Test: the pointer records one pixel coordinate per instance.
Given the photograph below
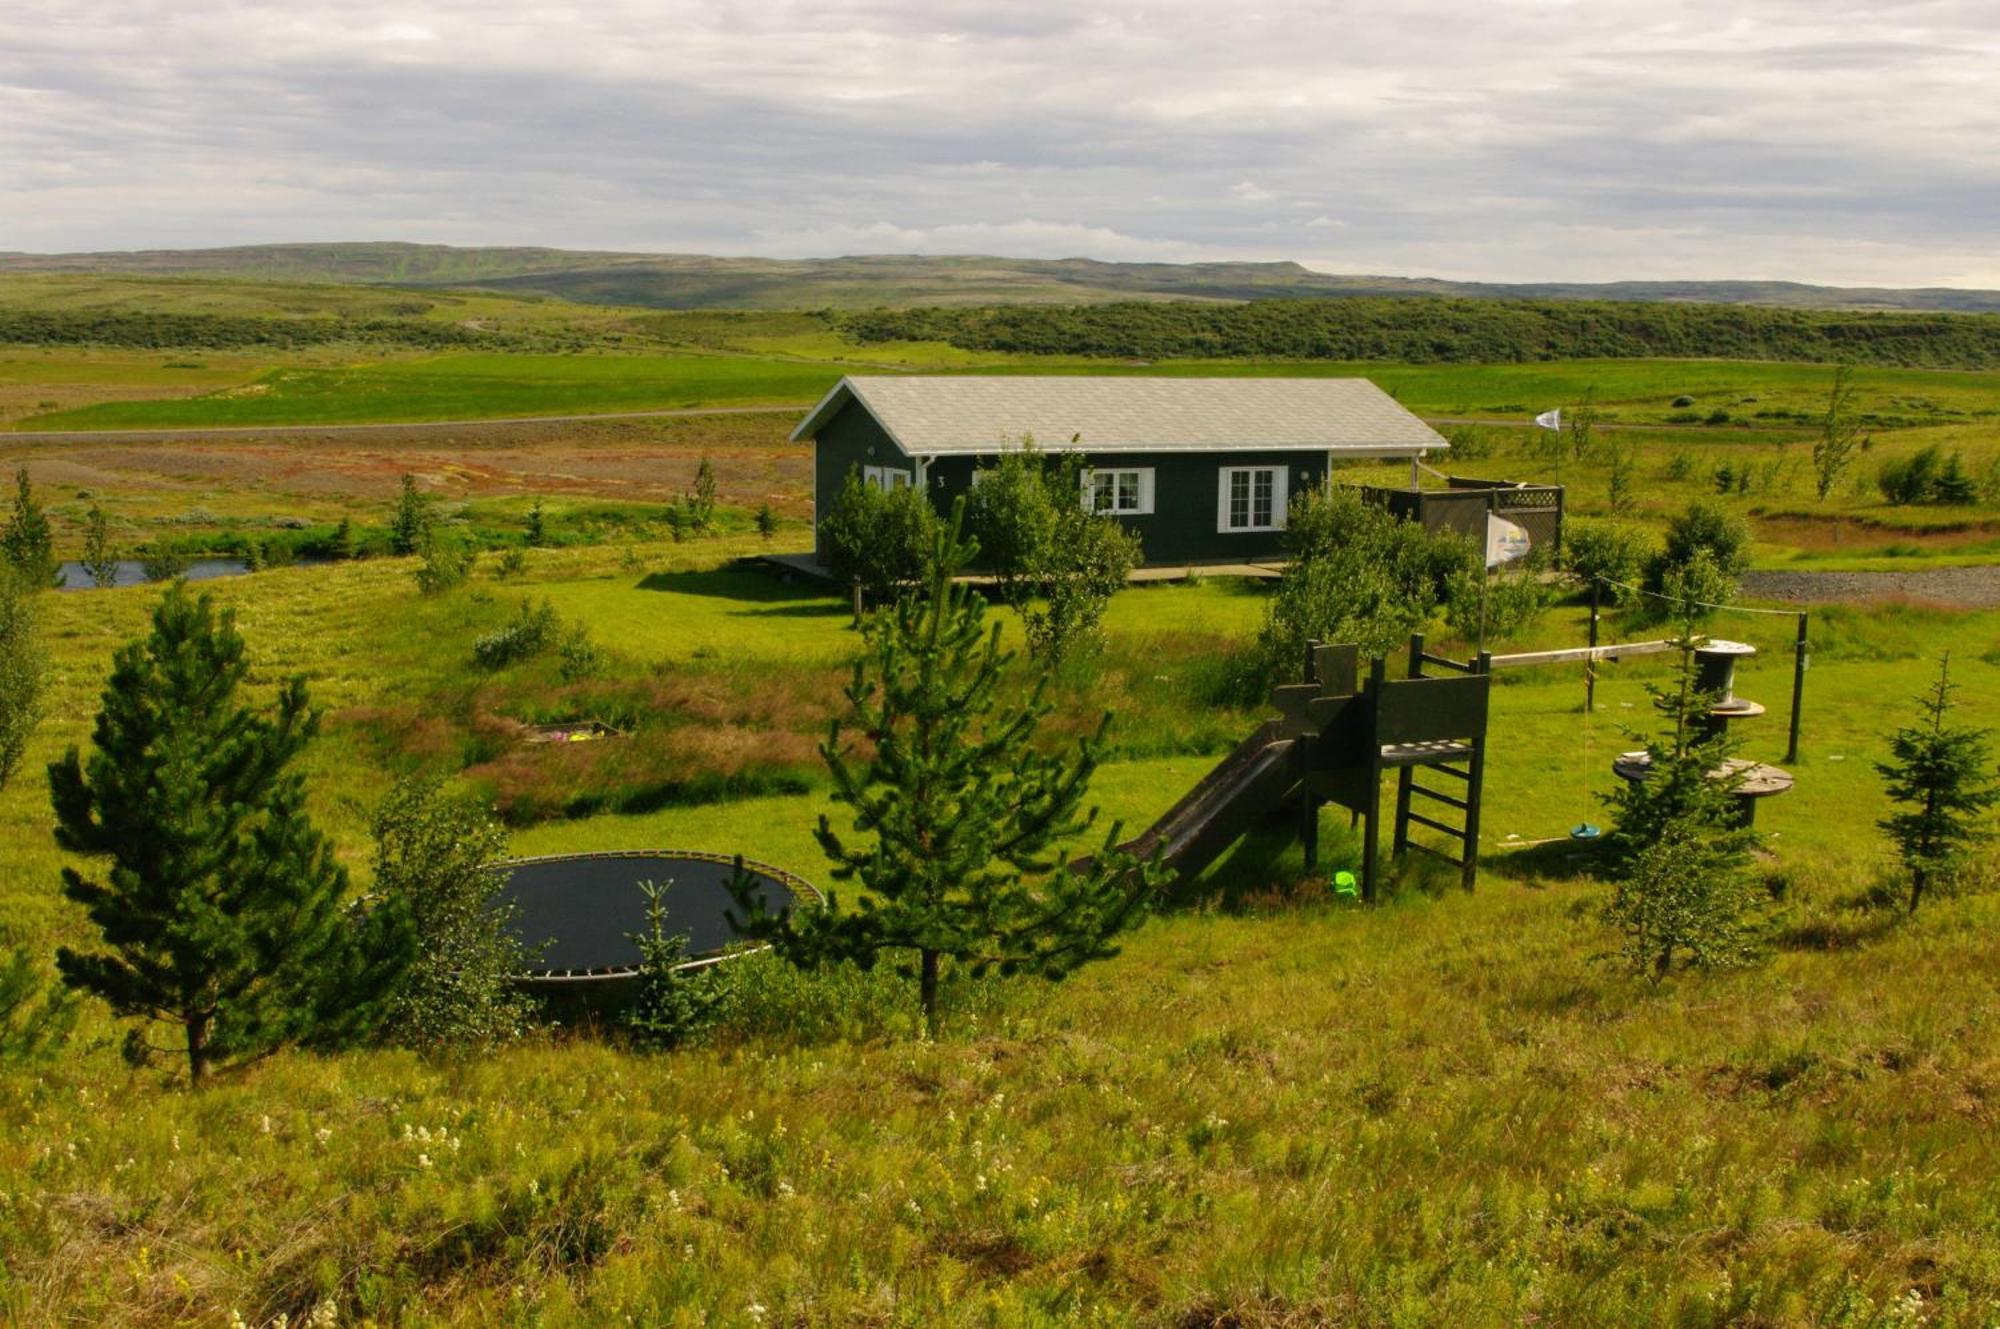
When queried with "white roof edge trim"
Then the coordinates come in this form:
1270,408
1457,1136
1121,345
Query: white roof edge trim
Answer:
1361,452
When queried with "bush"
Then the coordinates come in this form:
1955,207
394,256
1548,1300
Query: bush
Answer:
1927,476
1359,574
878,539
1514,598
447,561
532,632
166,560
1609,552
433,857
512,562
1058,562
1724,534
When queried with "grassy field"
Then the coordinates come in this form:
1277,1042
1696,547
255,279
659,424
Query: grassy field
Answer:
1271,1109
1439,1111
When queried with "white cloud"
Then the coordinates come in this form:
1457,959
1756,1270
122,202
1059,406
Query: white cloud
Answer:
1827,140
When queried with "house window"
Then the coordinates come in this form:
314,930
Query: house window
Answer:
885,477
1251,498
1126,492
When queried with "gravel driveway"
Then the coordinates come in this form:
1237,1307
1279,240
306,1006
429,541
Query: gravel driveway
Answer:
1963,588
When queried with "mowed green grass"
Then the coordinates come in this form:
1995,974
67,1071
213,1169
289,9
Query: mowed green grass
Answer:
1439,1111
789,366
470,387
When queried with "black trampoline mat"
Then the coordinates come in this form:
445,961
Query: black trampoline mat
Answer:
582,910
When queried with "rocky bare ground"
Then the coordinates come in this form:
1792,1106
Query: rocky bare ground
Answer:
1965,588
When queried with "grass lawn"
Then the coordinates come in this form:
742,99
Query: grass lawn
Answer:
1441,1110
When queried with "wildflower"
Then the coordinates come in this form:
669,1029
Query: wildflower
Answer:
264,1123
423,1160
323,1134
177,1149
534,1186
755,1311
785,1191
323,1316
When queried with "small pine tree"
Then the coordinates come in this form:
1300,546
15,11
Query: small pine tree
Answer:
1839,433
673,1004
961,810
700,501
1581,424
27,545
434,857
1942,775
343,546
222,908
537,529
1621,496
23,672
100,560
415,511
1677,850
35,1016
767,522
447,560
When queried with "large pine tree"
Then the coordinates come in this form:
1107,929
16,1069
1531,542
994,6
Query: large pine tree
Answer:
222,907
958,814
1941,777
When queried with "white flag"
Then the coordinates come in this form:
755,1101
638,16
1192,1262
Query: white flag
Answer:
1505,541
1550,419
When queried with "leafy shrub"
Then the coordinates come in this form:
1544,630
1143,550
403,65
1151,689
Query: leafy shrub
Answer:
1724,534
166,560
577,656
1358,573
1908,480
1058,563
513,561
1681,402
879,539
433,857
1928,476
1514,598
533,631
1609,552
447,561
1470,443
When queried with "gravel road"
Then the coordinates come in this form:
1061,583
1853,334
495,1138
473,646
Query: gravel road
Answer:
1963,588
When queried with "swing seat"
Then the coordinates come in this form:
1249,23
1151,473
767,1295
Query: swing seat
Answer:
1584,831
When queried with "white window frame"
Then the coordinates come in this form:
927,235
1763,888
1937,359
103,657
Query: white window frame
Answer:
1142,484
887,478
1280,484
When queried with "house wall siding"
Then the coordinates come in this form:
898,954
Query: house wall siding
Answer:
851,438
1181,528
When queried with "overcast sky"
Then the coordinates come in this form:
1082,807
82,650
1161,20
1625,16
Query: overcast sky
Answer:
1817,140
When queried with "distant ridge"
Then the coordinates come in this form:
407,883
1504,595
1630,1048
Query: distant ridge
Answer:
700,281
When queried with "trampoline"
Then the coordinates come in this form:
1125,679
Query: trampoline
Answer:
581,910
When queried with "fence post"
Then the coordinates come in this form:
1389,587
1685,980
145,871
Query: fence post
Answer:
1798,686
1590,665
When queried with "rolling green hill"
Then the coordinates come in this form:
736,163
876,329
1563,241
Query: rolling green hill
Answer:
700,281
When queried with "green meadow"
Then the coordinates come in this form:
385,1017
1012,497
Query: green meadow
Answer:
1271,1108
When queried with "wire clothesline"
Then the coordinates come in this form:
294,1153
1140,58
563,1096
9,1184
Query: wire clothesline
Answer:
1738,609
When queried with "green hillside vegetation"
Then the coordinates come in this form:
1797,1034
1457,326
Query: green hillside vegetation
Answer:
1433,330
691,281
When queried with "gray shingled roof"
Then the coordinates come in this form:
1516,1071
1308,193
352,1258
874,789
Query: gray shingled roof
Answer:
942,415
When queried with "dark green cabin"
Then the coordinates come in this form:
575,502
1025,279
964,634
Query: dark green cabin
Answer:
1202,468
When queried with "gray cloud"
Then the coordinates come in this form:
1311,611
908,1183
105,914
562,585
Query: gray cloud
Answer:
1536,139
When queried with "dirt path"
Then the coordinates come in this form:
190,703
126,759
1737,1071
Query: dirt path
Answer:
1960,588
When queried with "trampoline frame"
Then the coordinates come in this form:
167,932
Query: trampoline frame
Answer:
803,891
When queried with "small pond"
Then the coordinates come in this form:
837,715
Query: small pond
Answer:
132,572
